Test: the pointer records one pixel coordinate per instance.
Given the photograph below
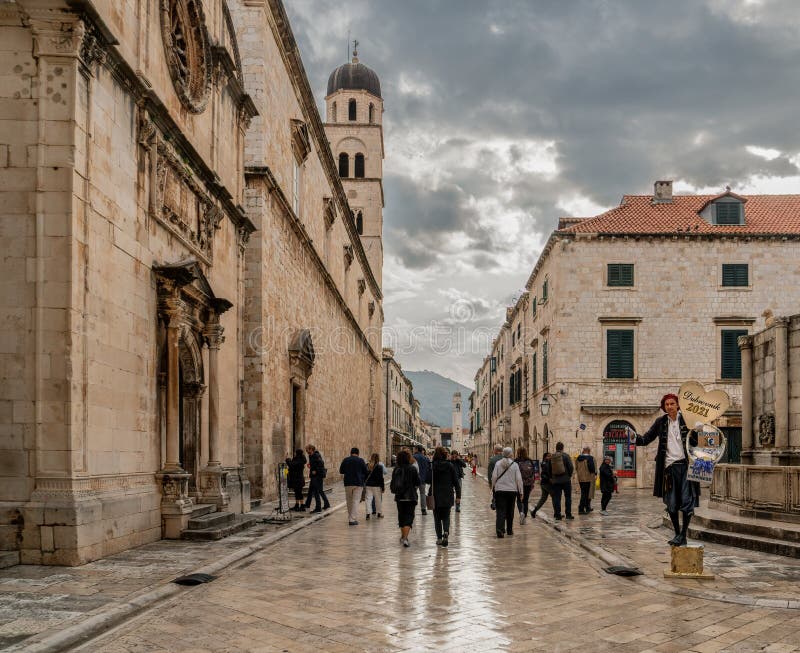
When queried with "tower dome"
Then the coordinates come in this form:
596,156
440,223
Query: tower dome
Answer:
354,76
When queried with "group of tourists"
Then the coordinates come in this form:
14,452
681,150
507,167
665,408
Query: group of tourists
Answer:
512,480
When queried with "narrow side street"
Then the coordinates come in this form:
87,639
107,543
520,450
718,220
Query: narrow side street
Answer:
336,587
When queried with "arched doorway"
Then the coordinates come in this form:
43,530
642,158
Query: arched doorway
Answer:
617,445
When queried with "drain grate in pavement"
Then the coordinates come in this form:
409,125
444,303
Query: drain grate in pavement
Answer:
194,579
620,570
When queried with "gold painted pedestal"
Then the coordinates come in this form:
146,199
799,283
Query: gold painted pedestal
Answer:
687,562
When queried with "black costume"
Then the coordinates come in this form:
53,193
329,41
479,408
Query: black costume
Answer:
671,484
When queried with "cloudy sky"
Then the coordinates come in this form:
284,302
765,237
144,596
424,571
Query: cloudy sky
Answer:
502,115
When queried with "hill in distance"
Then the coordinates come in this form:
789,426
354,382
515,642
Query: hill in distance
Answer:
435,394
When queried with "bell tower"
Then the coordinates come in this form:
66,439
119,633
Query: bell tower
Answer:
457,420
354,127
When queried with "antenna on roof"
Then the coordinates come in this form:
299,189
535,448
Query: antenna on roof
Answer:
347,48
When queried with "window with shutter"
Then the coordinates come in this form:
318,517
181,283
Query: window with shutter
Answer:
533,372
533,310
544,363
619,354
620,274
735,274
545,289
730,355
729,213
511,389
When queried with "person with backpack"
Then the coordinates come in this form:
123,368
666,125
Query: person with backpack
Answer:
405,487
374,486
316,474
561,470
528,473
424,466
607,482
506,486
544,482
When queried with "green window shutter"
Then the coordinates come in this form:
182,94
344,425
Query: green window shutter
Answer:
730,356
519,386
533,312
544,363
735,274
545,289
620,274
729,212
533,372
512,379
619,354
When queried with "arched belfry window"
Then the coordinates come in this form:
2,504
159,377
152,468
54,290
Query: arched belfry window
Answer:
359,171
333,112
351,110
371,113
360,223
344,164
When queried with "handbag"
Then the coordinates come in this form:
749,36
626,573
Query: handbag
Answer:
493,504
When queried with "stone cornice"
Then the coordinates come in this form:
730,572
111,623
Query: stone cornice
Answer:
264,175
291,55
621,409
148,100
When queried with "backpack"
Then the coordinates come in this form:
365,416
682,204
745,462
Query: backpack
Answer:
528,472
557,465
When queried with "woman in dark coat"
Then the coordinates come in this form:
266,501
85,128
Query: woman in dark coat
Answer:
445,484
296,480
405,481
545,483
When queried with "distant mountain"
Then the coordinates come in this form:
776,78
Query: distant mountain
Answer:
435,394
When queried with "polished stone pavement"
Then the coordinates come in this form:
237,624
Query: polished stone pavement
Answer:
334,587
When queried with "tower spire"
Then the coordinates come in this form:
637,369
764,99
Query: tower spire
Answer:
355,51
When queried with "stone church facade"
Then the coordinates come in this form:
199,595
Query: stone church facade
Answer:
177,252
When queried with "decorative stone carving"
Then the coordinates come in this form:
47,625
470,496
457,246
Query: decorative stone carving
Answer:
348,256
94,48
302,354
362,286
371,308
329,211
766,429
301,145
188,52
181,204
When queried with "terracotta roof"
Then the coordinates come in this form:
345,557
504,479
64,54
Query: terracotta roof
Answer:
637,214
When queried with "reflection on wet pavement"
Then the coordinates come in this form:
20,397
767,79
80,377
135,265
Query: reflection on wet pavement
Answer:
335,587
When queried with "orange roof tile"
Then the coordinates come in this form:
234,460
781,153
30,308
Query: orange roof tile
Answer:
636,214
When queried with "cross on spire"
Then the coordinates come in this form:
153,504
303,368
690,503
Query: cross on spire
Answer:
355,51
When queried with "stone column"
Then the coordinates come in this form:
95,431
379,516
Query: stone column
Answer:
781,326
213,479
746,347
176,504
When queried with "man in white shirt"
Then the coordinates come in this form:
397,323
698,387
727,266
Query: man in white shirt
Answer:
672,466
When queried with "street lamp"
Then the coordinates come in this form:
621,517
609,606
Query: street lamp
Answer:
544,406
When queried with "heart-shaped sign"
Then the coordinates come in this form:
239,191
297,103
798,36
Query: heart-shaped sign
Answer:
700,405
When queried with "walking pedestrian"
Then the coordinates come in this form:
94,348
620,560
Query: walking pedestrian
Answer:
544,483
374,486
405,486
354,470
587,473
474,464
671,482
528,472
561,470
460,465
507,486
444,485
316,474
296,478
607,482
498,455
424,466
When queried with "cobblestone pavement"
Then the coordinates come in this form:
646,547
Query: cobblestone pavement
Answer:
335,587
35,599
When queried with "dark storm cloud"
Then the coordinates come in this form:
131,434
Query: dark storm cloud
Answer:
626,91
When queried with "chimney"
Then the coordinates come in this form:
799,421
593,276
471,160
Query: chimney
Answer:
662,192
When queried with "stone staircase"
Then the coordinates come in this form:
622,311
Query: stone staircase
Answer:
208,523
767,536
8,559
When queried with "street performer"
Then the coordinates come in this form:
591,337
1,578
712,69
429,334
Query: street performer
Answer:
672,466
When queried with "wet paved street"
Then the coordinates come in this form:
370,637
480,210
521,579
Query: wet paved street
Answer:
334,587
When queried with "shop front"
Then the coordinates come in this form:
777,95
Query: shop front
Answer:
617,445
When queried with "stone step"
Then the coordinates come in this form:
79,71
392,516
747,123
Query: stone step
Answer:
8,559
719,520
239,523
201,509
746,541
211,520
255,503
